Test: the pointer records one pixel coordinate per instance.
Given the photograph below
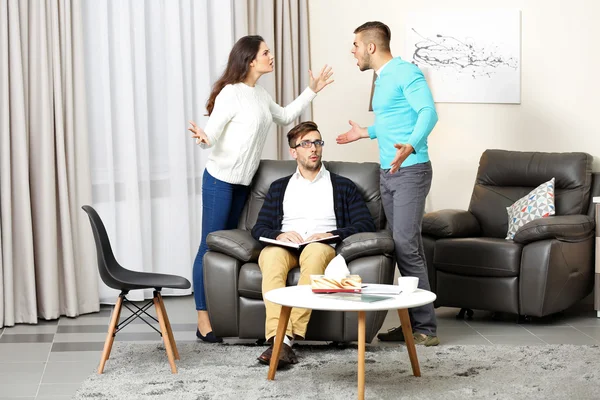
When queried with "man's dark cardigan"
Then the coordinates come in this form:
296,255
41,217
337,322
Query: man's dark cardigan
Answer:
351,212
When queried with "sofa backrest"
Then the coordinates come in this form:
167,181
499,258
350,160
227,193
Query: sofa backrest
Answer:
364,175
504,177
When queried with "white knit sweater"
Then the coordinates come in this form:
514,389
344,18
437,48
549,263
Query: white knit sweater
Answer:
238,127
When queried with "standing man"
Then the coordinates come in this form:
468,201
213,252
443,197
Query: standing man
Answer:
404,117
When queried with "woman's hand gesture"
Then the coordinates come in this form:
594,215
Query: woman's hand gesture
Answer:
317,84
198,134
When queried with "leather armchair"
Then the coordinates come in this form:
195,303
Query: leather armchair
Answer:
233,279
550,263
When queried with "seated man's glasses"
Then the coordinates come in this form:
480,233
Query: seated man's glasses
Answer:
307,144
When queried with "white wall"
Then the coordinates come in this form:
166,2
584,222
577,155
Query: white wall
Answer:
560,88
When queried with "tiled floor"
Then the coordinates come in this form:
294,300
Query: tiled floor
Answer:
51,359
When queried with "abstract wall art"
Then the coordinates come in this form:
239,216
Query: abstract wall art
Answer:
467,56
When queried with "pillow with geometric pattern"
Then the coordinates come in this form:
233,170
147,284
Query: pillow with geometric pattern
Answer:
539,203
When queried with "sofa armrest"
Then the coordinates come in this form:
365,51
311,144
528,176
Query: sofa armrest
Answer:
236,243
222,294
366,244
561,227
451,223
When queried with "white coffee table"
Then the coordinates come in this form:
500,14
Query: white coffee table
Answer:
302,297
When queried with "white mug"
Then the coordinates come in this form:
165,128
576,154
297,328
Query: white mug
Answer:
408,284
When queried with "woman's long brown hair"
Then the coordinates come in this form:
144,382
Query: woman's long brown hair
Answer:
240,57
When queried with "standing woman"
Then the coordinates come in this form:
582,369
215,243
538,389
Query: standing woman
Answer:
241,113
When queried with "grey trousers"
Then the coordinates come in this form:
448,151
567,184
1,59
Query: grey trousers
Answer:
403,195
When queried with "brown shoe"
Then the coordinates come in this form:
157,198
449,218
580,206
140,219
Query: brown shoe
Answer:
265,357
286,356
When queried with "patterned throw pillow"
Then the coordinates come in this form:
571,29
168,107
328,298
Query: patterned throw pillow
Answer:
539,203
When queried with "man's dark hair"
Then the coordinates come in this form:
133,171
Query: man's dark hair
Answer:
376,32
300,130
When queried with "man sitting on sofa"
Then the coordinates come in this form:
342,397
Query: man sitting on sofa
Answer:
311,204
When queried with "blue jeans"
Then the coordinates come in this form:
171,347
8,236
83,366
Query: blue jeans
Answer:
222,205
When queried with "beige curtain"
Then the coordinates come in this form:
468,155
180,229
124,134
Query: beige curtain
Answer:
284,26
47,260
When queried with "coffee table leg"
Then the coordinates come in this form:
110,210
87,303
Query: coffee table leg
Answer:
361,354
410,341
284,317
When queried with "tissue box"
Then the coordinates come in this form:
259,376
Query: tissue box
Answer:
324,284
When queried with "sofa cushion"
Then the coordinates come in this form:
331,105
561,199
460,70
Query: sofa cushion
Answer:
539,203
250,281
491,257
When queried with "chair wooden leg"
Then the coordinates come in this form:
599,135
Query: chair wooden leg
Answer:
168,324
110,336
165,334
113,339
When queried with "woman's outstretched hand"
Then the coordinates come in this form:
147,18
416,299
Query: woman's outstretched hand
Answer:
317,84
198,134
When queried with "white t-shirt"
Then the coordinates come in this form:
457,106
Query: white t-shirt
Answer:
238,126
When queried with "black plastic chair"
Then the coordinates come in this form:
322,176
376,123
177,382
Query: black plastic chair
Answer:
117,277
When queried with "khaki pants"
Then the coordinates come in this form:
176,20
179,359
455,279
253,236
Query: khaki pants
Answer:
275,262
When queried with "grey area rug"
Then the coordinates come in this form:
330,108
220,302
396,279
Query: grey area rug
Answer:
141,371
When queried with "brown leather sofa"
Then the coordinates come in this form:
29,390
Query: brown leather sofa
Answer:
233,278
548,266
